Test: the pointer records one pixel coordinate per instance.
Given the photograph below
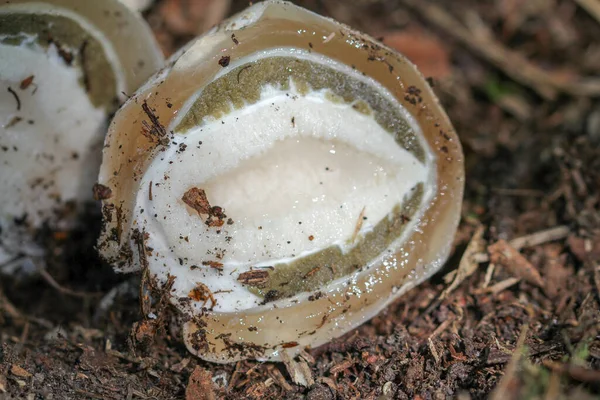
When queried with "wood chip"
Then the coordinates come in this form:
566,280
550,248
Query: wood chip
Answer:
502,253
280,379
196,199
258,278
344,365
200,385
299,370
213,264
101,192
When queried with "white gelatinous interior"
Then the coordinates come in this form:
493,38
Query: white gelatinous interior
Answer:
294,172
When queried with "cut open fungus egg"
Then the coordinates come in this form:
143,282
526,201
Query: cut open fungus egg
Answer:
282,180
64,65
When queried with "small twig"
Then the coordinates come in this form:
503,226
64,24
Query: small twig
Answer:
541,237
358,226
443,326
16,96
12,311
532,240
69,292
498,287
545,83
488,275
433,350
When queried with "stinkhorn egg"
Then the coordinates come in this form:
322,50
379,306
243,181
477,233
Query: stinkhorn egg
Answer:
64,64
283,180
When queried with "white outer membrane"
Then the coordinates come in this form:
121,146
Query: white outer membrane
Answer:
237,165
58,121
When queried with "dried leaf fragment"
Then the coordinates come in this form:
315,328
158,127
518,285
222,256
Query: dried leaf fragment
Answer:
585,248
202,293
19,371
502,253
26,82
468,263
101,192
196,199
213,264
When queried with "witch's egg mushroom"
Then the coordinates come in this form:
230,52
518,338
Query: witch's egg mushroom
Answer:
283,180
65,66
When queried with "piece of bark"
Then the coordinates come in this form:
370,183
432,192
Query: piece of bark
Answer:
200,386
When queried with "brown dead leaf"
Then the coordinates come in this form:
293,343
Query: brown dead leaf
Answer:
144,331
468,263
585,248
200,386
428,53
19,371
502,253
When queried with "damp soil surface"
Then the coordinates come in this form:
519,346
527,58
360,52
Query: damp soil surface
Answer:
505,318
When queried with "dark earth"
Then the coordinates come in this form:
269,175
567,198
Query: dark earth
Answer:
506,318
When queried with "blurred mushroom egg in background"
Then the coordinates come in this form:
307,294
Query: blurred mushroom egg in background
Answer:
65,67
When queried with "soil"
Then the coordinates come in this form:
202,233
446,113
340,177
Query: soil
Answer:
524,326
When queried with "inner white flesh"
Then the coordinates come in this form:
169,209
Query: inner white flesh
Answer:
296,174
49,144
